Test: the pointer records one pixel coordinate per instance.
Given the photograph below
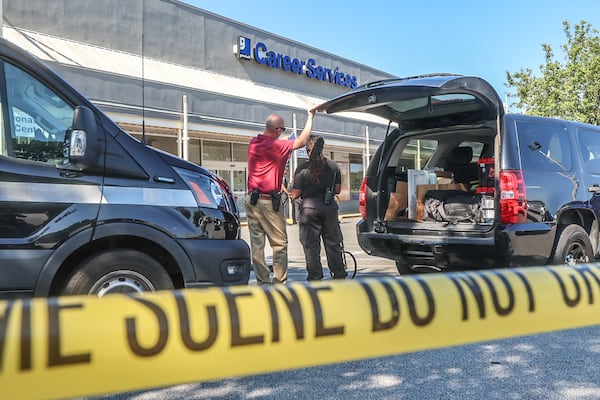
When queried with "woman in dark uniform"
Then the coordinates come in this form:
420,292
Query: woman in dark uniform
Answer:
318,217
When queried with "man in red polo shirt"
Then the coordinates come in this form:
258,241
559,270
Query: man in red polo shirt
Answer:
267,157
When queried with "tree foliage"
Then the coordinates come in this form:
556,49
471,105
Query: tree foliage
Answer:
569,89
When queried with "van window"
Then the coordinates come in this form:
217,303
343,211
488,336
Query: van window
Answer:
38,118
543,146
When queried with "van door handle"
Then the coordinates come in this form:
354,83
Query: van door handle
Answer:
595,188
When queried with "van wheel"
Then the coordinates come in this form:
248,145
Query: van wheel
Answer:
404,268
573,247
117,271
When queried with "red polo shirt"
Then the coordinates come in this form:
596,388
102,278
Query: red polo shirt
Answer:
266,162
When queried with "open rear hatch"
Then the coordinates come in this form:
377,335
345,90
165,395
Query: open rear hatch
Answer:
420,101
442,102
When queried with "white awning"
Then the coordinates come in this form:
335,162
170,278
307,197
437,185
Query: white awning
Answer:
81,55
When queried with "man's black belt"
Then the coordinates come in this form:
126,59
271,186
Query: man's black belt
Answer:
264,196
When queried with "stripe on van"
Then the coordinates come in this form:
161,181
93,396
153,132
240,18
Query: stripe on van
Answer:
32,192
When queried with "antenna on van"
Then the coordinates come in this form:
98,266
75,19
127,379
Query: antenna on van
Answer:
143,79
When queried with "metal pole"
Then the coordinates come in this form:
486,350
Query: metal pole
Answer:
185,138
418,155
1,18
367,152
293,166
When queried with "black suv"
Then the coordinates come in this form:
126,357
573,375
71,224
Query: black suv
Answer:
460,184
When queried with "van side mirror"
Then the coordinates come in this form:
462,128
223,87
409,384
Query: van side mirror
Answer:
82,146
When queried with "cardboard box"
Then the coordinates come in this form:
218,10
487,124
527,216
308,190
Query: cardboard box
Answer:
444,177
422,189
402,187
398,203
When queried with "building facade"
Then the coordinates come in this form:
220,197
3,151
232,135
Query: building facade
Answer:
197,84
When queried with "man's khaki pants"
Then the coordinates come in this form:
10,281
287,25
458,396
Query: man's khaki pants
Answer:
264,222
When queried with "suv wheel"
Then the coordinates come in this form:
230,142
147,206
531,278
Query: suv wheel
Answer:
117,271
573,246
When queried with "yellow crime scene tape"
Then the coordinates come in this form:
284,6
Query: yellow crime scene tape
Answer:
80,346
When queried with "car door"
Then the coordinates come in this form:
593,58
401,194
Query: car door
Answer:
589,147
40,205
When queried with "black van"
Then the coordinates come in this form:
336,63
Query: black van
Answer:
86,208
457,183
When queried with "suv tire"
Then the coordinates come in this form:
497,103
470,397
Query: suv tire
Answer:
118,271
573,246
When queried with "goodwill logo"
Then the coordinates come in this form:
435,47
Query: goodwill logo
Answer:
263,56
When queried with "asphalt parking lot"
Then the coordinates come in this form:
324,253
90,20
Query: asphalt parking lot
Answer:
558,365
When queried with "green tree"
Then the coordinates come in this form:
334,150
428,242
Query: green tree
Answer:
569,90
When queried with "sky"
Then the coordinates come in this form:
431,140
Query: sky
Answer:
405,37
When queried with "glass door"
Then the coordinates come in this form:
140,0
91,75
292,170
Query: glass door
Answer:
236,176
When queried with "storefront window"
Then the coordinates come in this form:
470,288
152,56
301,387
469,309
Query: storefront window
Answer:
194,151
216,151
345,191
240,152
163,143
356,175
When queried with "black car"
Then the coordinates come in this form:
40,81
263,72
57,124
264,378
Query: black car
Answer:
85,208
457,183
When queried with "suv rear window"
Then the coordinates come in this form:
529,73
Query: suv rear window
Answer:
442,152
432,154
543,147
416,154
431,102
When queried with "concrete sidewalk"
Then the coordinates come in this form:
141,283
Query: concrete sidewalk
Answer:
296,263
368,266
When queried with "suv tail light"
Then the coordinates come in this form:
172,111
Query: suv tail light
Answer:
486,175
513,199
362,198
